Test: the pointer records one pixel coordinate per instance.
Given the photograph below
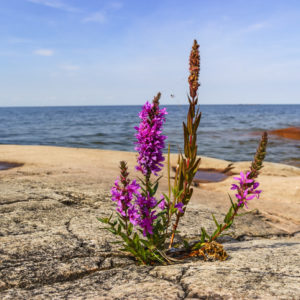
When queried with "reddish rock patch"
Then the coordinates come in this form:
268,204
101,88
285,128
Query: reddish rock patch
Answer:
289,133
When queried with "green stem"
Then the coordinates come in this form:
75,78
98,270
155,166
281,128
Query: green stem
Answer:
226,225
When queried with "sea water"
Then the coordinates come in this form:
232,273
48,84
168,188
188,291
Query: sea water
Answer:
230,132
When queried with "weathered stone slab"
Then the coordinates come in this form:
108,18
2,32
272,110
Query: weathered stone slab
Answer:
52,247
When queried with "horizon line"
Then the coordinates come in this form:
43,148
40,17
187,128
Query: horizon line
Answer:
116,105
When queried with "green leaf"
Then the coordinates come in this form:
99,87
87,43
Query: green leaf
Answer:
143,189
122,223
179,193
197,121
155,189
113,231
162,214
158,179
130,228
136,238
202,238
103,220
141,180
204,232
215,220
231,200
189,123
228,216
145,242
229,224
166,197
131,250
186,244
104,228
198,245
216,232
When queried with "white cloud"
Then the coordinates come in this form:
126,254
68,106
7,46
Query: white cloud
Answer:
44,52
69,67
55,4
97,17
257,26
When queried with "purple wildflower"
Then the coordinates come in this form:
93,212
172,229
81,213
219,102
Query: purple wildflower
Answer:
246,190
124,196
162,204
150,140
244,178
146,214
123,193
147,223
133,215
179,206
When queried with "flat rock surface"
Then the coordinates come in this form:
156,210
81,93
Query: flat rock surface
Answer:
52,247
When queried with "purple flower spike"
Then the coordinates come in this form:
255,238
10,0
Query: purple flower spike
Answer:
247,189
147,223
124,196
150,141
146,215
123,192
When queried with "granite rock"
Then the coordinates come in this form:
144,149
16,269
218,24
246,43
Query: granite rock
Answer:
52,247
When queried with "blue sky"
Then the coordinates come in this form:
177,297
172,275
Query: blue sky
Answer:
94,52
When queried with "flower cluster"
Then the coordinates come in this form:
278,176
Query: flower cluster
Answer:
150,140
132,205
124,196
123,193
246,190
135,203
146,204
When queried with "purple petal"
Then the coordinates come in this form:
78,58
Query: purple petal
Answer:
179,206
250,197
234,187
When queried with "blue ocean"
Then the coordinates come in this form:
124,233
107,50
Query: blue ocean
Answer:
228,132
